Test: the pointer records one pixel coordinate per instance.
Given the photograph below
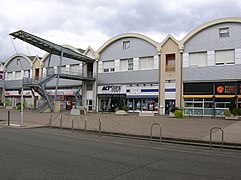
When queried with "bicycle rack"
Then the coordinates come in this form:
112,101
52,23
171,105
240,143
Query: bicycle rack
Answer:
211,136
156,124
99,126
50,121
72,120
60,122
85,125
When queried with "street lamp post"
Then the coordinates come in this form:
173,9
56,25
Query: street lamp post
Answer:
21,113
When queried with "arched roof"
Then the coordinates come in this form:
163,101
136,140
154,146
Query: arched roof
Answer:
126,35
208,24
17,55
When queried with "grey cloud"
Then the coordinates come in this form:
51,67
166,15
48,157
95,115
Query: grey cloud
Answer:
111,18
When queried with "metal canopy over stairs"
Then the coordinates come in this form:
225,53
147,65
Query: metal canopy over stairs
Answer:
39,85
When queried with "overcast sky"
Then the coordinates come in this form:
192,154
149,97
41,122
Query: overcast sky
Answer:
83,23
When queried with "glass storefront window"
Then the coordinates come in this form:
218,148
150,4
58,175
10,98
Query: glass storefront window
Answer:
208,105
198,112
220,105
188,104
137,105
198,104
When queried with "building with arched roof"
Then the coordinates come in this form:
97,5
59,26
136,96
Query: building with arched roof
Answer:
212,67
128,69
16,68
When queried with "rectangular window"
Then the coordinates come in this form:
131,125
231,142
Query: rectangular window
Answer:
106,70
170,62
198,59
89,87
224,32
109,66
126,45
126,64
18,75
146,63
9,76
130,64
74,69
27,73
224,57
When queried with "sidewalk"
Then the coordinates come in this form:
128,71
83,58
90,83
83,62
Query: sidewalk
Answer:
193,129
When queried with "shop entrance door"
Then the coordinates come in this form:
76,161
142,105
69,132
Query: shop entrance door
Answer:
168,105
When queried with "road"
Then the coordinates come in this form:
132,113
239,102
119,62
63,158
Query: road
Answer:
59,154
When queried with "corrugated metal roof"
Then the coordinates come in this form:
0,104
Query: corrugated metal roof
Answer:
50,47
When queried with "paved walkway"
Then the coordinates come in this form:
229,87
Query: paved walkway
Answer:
193,128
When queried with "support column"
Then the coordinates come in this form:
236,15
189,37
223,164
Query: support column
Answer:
57,82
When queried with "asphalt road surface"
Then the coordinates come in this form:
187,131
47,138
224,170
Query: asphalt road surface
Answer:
60,154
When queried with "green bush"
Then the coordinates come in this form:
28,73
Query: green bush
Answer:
227,112
125,108
18,107
173,109
7,102
236,111
179,114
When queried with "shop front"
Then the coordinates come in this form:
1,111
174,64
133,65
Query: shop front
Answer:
209,99
67,97
110,96
142,98
13,98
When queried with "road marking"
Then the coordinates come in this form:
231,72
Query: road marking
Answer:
143,146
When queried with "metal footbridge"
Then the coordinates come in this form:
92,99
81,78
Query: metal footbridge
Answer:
39,85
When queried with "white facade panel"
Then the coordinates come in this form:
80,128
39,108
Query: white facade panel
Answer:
117,65
156,62
100,67
89,95
237,56
185,59
136,64
211,58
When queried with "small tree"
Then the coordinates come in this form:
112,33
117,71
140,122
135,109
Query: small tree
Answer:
121,103
232,105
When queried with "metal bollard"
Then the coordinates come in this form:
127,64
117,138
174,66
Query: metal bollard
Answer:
8,118
72,124
85,125
50,121
60,122
99,126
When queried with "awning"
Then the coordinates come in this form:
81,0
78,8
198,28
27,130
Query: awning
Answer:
197,96
224,96
50,47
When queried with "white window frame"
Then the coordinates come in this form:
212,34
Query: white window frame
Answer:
146,63
225,57
197,59
224,32
109,66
